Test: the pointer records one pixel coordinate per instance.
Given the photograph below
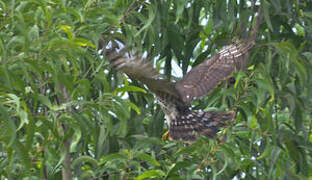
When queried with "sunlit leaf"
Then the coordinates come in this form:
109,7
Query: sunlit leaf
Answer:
266,152
83,42
67,29
134,107
300,30
129,88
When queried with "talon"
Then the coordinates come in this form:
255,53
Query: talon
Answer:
165,136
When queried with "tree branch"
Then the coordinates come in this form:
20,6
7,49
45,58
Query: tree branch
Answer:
66,170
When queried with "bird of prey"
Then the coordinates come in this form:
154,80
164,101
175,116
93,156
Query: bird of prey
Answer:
174,98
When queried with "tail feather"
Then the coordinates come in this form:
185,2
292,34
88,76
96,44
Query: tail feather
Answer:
191,124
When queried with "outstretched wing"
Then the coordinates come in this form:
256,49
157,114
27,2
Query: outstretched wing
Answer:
136,68
205,77
142,70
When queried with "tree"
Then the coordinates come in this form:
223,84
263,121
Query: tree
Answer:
66,114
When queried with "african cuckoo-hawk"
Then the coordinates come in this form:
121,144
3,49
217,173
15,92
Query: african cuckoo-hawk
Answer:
175,97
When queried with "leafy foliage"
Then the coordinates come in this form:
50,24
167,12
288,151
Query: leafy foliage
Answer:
65,113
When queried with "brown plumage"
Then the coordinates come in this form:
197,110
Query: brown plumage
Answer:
175,98
205,77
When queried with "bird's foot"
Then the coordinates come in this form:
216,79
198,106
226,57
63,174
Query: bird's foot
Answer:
165,136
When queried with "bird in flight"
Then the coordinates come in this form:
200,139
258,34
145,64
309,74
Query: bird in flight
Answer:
175,98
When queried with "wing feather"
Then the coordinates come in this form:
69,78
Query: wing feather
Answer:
142,70
205,77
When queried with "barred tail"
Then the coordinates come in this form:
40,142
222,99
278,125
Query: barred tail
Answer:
191,124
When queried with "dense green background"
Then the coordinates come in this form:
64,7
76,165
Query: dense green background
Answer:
62,114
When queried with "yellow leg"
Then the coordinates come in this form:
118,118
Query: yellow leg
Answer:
165,135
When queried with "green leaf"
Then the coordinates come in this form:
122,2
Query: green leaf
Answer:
75,139
175,39
215,174
33,33
300,30
23,154
134,107
113,157
148,22
253,123
209,26
83,88
7,127
287,49
147,158
180,7
129,88
151,174
266,152
67,29
83,42
62,156
308,55
84,159
178,166
23,117
301,70
308,14
265,84
87,175
75,13
44,100
238,78
266,10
